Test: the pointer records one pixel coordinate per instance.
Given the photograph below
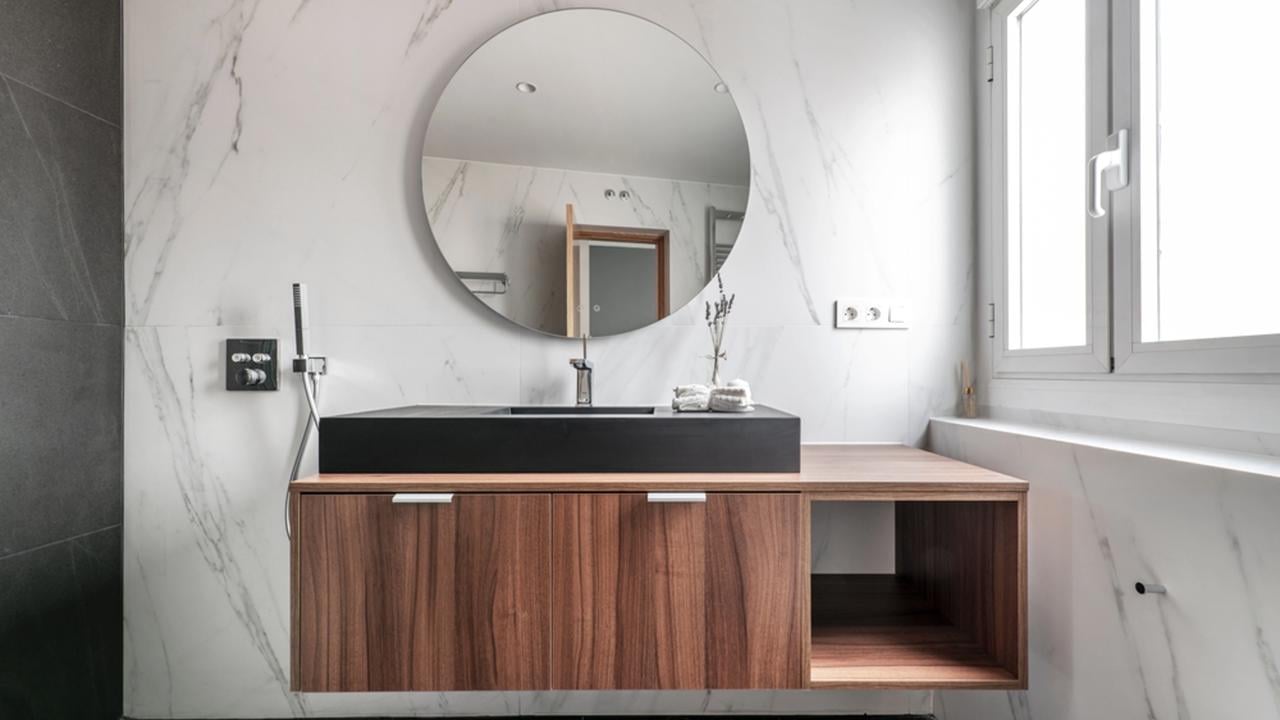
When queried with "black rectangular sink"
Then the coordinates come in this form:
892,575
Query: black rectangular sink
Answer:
576,410
558,439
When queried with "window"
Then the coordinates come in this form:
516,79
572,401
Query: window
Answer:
1046,229
1211,245
1181,273
1054,257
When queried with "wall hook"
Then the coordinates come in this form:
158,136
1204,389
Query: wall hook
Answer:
1149,588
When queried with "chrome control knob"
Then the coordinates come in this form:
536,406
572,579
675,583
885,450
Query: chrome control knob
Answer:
250,377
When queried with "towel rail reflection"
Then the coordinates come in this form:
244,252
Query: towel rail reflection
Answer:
718,252
499,282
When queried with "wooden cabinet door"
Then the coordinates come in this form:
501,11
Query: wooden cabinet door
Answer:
677,595
450,596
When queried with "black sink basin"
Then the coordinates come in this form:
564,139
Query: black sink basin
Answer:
574,410
558,439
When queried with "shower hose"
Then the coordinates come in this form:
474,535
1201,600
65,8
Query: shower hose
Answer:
310,388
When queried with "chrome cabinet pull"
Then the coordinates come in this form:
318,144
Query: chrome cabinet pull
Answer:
422,498
677,497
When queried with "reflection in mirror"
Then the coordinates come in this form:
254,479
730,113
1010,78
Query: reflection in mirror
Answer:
585,173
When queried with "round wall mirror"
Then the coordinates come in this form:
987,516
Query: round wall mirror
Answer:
585,173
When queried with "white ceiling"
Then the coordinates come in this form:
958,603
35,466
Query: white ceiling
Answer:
616,94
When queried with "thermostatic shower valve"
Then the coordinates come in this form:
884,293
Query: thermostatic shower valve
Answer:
252,365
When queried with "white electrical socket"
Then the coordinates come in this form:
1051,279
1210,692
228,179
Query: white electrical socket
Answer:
871,314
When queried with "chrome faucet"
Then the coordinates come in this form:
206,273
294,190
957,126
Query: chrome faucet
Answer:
584,367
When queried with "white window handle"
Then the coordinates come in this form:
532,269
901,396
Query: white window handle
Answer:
677,497
1109,166
422,498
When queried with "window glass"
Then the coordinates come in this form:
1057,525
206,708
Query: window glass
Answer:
1047,254
1210,242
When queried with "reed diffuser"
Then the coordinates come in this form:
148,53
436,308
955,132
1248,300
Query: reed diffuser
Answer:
968,400
717,317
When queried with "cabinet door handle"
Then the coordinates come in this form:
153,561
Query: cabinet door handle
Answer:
677,497
422,498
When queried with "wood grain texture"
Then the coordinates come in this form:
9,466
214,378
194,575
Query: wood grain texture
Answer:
675,595
954,615
862,472
881,631
756,574
806,603
628,595
966,559
295,594
570,276
422,597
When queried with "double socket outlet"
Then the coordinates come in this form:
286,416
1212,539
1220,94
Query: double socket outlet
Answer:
871,314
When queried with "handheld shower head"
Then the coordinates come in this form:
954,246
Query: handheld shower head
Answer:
301,322
302,362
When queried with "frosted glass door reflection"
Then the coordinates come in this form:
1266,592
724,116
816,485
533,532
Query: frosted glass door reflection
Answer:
1048,247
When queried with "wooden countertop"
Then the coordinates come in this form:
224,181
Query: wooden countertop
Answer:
884,472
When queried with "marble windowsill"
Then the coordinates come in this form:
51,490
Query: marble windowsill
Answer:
1237,461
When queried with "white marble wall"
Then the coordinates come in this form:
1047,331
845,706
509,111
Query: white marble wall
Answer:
1102,519
491,217
274,141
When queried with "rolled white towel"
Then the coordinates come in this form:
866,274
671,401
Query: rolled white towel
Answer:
691,403
684,390
725,404
734,397
691,398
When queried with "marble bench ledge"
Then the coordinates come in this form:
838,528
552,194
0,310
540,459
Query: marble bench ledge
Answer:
1211,458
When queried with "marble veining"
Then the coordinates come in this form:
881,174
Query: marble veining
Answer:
425,21
1113,576
1101,519
273,142
215,529
775,203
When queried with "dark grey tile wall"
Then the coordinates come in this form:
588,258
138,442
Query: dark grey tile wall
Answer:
68,49
60,208
60,610
61,346
60,410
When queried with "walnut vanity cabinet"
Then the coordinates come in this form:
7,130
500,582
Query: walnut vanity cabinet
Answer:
421,595
677,591
658,581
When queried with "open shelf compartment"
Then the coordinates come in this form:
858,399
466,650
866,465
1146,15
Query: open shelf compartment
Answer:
952,614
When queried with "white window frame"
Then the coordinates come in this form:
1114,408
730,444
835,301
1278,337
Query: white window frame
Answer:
1255,355
1095,355
1114,346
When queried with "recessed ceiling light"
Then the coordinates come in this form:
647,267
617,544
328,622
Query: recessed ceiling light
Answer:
721,88
527,88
